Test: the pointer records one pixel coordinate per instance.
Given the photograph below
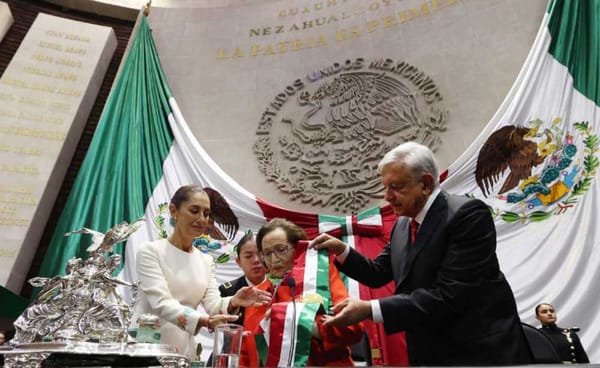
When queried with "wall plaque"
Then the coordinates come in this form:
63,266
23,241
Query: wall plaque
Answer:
46,94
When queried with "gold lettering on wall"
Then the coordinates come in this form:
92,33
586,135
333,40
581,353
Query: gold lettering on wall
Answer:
273,49
28,200
15,189
21,169
26,132
11,221
8,253
342,33
41,105
67,36
8,210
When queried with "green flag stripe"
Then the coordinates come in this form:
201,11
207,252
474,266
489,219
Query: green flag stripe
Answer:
575,32
305,324
124,162
323,278
262,347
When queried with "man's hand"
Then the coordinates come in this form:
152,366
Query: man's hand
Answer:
348,312
326,241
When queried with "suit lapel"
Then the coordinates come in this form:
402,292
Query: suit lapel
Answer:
426,230
400,241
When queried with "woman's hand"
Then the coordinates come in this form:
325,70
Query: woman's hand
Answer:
249,296
210,322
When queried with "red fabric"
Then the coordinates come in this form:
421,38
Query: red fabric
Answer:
392,348
414,227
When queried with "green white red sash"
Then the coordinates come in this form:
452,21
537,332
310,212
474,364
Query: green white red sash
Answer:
367,223
311,272
277,345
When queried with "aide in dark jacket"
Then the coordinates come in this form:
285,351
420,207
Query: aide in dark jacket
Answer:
451,298
249,260
565,340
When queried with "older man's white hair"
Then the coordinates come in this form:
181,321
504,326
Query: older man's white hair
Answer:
417,158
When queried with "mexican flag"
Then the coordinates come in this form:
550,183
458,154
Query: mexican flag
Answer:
536,165
143,151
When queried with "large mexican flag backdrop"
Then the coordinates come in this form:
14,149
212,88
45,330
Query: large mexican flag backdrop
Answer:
534,164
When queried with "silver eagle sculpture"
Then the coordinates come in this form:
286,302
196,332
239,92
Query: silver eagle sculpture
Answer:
85,303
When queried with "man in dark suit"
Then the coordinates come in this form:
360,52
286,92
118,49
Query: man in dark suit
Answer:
451,298
248,258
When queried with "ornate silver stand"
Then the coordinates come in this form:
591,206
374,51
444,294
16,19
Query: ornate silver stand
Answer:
80,319
50,354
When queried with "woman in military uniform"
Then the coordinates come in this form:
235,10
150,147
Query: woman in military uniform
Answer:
565,340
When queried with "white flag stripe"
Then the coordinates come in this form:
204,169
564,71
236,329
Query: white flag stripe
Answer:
310,272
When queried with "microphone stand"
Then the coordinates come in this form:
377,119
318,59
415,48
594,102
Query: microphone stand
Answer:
292,285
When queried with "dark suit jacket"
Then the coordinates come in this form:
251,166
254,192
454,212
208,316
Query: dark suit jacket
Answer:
451,297
229,289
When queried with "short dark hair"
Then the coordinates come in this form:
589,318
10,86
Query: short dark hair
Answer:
537,308
294,232
183,194
245,239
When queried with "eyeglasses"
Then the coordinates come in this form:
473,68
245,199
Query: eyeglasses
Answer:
279,251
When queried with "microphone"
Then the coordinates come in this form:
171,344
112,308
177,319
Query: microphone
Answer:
574,329
292,285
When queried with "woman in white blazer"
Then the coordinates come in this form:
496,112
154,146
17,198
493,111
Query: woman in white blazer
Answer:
175,277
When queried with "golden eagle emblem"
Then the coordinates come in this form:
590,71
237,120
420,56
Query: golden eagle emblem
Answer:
506,148
544,171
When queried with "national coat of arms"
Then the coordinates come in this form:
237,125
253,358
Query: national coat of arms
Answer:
543,170
321,138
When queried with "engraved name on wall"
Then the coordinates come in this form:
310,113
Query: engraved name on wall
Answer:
46,94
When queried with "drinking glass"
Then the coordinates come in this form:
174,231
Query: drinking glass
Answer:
226,349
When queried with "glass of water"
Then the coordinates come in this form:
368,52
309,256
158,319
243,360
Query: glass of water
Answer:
226,349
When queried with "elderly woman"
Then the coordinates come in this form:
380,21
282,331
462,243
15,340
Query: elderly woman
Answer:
329,346
175,278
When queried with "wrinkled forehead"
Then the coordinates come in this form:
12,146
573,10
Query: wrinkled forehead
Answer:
273,238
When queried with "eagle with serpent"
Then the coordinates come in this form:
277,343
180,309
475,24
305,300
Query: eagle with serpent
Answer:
543,170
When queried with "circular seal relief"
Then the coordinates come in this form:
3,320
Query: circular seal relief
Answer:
320,139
